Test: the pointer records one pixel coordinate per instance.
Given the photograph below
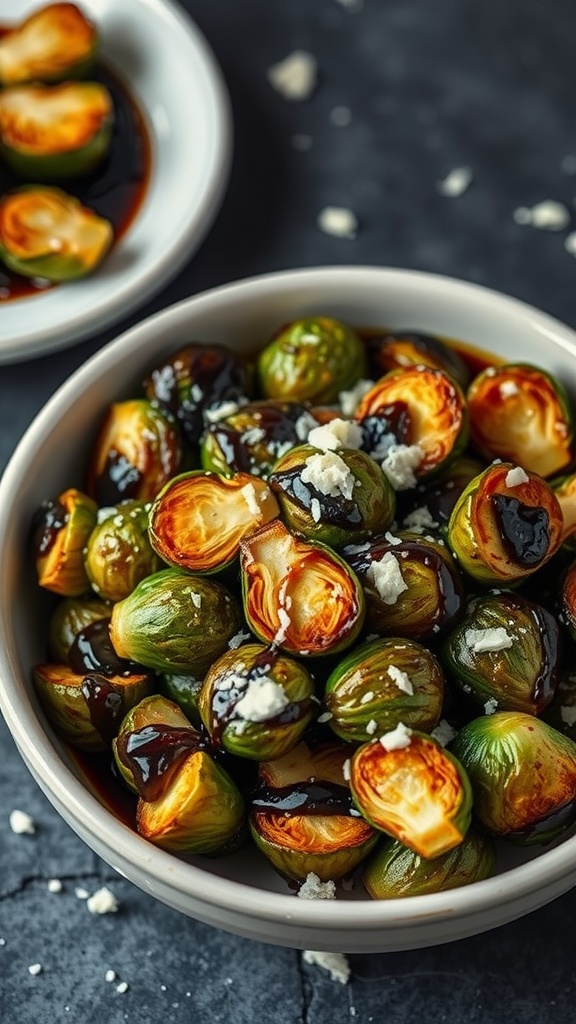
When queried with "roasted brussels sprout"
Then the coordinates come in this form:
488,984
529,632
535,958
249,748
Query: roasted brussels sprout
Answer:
70,617
61,529
118,552
394,871
56,41
199,379
198,520
151,739
505,654
506,524
523,775
407,785
382,683
396,349
136,452
86,709
411,585
311,359
251,439
302,816
415,421
256,703
46,233
50,132
175,622
520,413
299,596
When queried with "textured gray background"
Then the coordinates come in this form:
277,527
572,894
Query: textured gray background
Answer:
430,86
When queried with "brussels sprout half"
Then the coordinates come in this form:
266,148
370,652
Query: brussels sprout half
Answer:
50,132
56,41
199,519
251,439
523,775
153,737
394,871
299,596
506,524
521,414
44,232
118,553
397,349
61,529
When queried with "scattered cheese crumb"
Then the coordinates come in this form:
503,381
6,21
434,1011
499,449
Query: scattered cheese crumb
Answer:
568,715
35,968
443,733
295,76
508,388
491,706
337,433
283,626
455,183
494,639
102,902
350,400
221,411
340,117
419,520
329,474
346,769
248,492
335,963
54,885
22,823
386,576
338,221
397,738
367,697
401,679
325,717
371,726
548,215
263,698
313,889
110,976
122,987
80,893
399,464
515,477
238,639
304,424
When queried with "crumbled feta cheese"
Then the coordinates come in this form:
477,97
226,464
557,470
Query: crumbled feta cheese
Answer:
248,492
455,183
238,639
515,477
329,474
283,626
122,987
81,893
102,902
340,117
443,733
346,769
491,706
105,513
253,435
568,715
22,823
338,221
110,976
350,400
35,969
295,76
392,539
196,598
367,697
304,424
492,639
386,576
399,464
401,679
313,889
324,717
419,519
371,726
336,434
221,411
263,698
397,738
315,510
54,885
548,215
335,963
509,388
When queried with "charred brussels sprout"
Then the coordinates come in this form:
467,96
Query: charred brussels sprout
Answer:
50,132
136,452
256,703
118,553
302,816
411,585
299,596
61,529
505,654
151,739
397,349
56,41
70,617
382,683
199,519
312,359
521,414
523,775
407,785
175,622
394,871
44,232
251,439
506,524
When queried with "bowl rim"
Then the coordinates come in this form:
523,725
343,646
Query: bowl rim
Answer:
62,786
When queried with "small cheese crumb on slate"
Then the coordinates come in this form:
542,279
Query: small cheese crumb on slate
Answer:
313,889
35,969
548,215
335,963
54,885
455,183
21,823
110,976
338,221
515,477
102,902
481,640
295,76
80,893
397,738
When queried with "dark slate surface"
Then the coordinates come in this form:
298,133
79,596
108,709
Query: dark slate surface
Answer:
430,86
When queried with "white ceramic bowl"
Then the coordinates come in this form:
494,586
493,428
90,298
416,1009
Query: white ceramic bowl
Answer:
237,893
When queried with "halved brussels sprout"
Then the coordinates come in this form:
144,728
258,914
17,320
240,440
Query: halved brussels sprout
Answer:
411,585
252,438
118,553
396,349
200,810
302,815
520,413
506,524
299,596
382,683
416,408
70,617
44,232
407,785
199,519
311,359
256,703
136,452
56,41
61,529
195,379
87,709
175,622
153,738
394,871
523,775
505,654
50,132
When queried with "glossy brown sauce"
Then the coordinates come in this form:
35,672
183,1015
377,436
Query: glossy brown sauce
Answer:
115,190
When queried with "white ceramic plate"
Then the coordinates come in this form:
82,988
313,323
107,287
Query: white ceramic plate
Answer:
160,54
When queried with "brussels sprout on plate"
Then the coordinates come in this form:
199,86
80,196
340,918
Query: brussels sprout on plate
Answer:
62,527
118,552
56,41
392,350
